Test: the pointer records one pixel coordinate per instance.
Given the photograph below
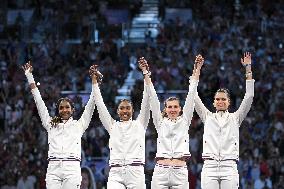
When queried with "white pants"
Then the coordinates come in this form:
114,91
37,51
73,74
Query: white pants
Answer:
219,175
126,177
63,175
174,177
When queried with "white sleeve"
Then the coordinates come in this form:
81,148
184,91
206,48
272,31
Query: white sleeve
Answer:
144,114
104,115
201,110
88,111
155,106
42,109
189,102
246,103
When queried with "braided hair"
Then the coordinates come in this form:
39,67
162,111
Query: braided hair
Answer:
172,98
57,118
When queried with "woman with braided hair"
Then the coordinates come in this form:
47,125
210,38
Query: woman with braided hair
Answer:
64,137
58,117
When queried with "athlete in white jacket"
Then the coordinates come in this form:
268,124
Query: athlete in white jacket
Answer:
64,137
127,139
173,139
221,134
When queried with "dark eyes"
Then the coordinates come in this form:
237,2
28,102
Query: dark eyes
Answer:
61,107
172,106
223,99
122,108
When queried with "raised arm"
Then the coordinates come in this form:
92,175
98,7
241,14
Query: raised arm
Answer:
189,102
153,98
248,98
104,115
201,110
144,114
41,107
90,106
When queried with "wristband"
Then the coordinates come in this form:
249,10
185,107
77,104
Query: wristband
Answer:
248,73
30,77
246,65
146,73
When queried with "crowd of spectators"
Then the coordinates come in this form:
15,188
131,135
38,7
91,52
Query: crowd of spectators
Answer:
220,34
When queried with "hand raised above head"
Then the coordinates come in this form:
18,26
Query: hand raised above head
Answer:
143,64
199,61
246,60
95,73
27,67
93,69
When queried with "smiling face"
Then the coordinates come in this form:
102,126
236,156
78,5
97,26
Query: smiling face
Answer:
125,110
172,108
65,110
221,101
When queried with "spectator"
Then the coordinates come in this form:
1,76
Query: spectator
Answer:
88,179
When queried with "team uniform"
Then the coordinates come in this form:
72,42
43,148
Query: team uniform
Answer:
126,144
221,142
64,142
172,142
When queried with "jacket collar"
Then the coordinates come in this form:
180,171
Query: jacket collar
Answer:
222,113
174,120
126,121
67,120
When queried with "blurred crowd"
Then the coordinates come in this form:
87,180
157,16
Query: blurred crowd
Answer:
221,32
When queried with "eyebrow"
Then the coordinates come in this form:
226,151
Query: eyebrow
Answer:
124,106
64,106
173,106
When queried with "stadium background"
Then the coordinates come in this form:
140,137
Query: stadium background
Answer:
63,38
